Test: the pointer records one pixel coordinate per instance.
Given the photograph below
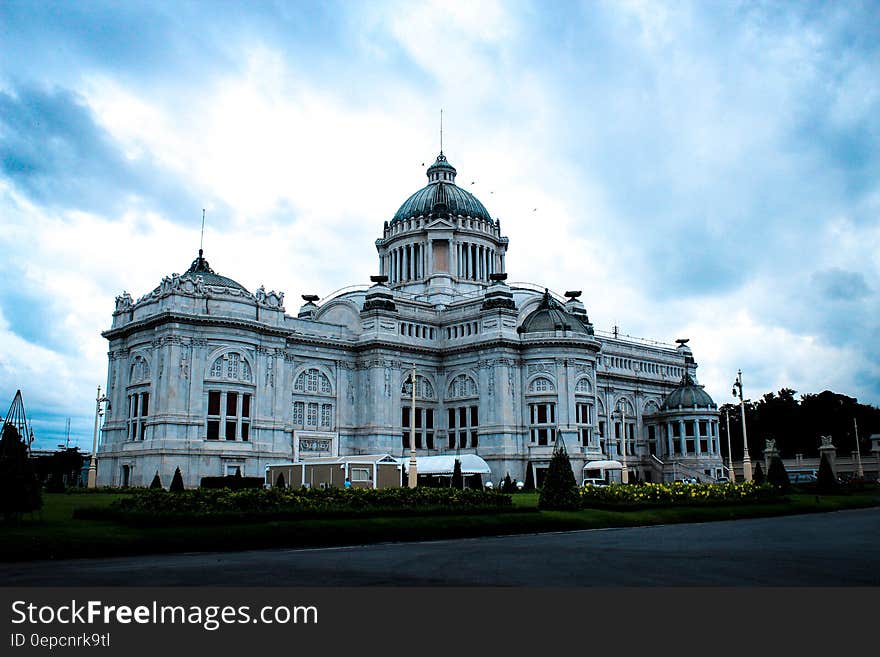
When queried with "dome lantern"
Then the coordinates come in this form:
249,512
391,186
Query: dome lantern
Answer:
441,170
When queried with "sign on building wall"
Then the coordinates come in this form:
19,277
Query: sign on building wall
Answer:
313,444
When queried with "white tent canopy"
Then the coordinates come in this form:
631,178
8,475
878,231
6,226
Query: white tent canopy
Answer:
471,464
604,465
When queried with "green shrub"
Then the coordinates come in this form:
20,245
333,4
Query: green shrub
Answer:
235,482
559,492
826,482
674,494
156,506
176,482
758,475
20,490
777,475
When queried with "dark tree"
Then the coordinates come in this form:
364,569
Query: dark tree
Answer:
508,486
157,483
758,475
457,480
777,475
280,483
176,482
19,486
559,491
826,482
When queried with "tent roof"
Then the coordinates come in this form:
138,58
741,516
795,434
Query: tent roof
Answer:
605,465
470,464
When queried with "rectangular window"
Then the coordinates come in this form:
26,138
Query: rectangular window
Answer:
230,429
145,404
245,431
299,409
214,402
326,416
232,404
245,405
543,427
360,474
213,429
313,414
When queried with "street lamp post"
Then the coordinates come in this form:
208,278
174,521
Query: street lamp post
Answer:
747,460
413,463
624,475
93,463
729,451
860,471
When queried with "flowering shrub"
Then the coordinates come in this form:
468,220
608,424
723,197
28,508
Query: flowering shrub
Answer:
677,493
152,506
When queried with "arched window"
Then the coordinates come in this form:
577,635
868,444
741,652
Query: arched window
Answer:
312,381
313,406
424,389
583,391
541,384
583,386
424,413
462,386
232,366
140,369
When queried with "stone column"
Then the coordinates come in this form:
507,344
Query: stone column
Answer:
682,439
670,451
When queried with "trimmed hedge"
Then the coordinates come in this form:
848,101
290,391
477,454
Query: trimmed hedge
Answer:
213,506
232,481
639,496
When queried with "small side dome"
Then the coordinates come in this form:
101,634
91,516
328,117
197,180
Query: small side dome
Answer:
551,316
688,394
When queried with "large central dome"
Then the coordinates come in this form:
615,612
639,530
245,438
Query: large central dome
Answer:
442,195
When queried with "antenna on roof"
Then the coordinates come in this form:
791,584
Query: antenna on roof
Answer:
441,129
202,238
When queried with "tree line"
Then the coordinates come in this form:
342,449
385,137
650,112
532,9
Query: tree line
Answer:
797,424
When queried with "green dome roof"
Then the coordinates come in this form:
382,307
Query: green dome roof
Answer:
200,267
442,195
687,395
551,316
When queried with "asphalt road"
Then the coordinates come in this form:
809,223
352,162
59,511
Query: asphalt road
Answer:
829,549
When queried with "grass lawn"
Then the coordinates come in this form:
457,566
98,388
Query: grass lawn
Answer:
54,534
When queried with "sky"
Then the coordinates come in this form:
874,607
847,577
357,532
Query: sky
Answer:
702,170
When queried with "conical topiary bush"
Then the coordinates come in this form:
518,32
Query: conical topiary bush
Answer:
176,482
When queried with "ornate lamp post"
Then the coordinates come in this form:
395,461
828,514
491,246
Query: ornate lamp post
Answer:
729,451
624,475
738,393
413,463
860,471
93,463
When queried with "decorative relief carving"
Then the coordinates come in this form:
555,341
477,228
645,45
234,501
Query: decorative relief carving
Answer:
184,365
540,367
350,391
387,381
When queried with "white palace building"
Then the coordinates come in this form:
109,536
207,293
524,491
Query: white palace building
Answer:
209,377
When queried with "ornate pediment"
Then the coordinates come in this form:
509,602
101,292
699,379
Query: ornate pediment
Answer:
440,224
